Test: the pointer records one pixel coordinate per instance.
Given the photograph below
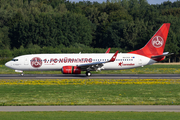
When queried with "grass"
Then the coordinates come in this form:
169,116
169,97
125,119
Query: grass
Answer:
168,94
87,81
89,116
149,69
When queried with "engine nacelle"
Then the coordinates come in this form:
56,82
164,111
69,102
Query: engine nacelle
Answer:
71,70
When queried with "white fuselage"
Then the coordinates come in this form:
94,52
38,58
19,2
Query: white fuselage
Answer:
42,62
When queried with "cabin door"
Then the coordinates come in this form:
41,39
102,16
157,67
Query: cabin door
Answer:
26,62
140,60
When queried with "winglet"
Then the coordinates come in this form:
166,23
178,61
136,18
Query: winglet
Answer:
108,50
113,57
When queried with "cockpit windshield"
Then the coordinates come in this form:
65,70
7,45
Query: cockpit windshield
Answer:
14,59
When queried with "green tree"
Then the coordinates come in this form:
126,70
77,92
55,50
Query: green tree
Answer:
119,15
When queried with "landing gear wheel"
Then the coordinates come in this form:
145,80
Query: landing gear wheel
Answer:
88,73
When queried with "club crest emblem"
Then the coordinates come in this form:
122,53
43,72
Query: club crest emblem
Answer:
157,41
36,62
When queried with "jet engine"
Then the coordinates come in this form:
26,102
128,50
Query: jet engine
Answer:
71,70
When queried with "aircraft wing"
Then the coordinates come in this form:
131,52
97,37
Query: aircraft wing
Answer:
96,65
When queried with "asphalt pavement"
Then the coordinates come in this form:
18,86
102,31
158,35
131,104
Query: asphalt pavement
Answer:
129,108
94,76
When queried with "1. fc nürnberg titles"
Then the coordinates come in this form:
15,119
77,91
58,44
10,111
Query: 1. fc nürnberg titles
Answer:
68,60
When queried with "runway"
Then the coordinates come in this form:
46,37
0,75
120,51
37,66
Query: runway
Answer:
94,76
129,108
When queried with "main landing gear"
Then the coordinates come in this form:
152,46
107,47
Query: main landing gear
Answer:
88,73
22,74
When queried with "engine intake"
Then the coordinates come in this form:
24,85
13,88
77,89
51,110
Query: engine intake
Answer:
71,70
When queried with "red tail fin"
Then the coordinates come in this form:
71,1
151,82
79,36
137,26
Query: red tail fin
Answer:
156,44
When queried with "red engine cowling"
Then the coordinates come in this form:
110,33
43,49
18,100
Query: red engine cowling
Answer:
71,70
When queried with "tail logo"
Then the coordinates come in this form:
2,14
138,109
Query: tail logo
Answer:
157,41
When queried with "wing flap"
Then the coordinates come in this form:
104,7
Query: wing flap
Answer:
90,64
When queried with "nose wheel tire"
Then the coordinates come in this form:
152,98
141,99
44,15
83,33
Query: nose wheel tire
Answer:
88,73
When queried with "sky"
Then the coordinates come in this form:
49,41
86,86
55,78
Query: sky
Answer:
158,1
149,1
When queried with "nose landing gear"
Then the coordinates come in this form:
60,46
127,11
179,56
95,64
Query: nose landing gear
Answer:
20,71
88,73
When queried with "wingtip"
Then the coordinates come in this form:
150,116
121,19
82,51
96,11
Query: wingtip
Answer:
108,50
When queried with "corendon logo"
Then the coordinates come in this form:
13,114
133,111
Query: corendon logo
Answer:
157,41
36,62
120,64
128,64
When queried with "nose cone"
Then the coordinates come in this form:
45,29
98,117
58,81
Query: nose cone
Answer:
8,64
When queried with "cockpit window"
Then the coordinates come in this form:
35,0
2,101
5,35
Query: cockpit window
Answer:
14,59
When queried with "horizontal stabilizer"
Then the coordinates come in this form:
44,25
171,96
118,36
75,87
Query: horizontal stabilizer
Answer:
163,55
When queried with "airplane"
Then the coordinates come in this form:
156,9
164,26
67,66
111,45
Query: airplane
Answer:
151,53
